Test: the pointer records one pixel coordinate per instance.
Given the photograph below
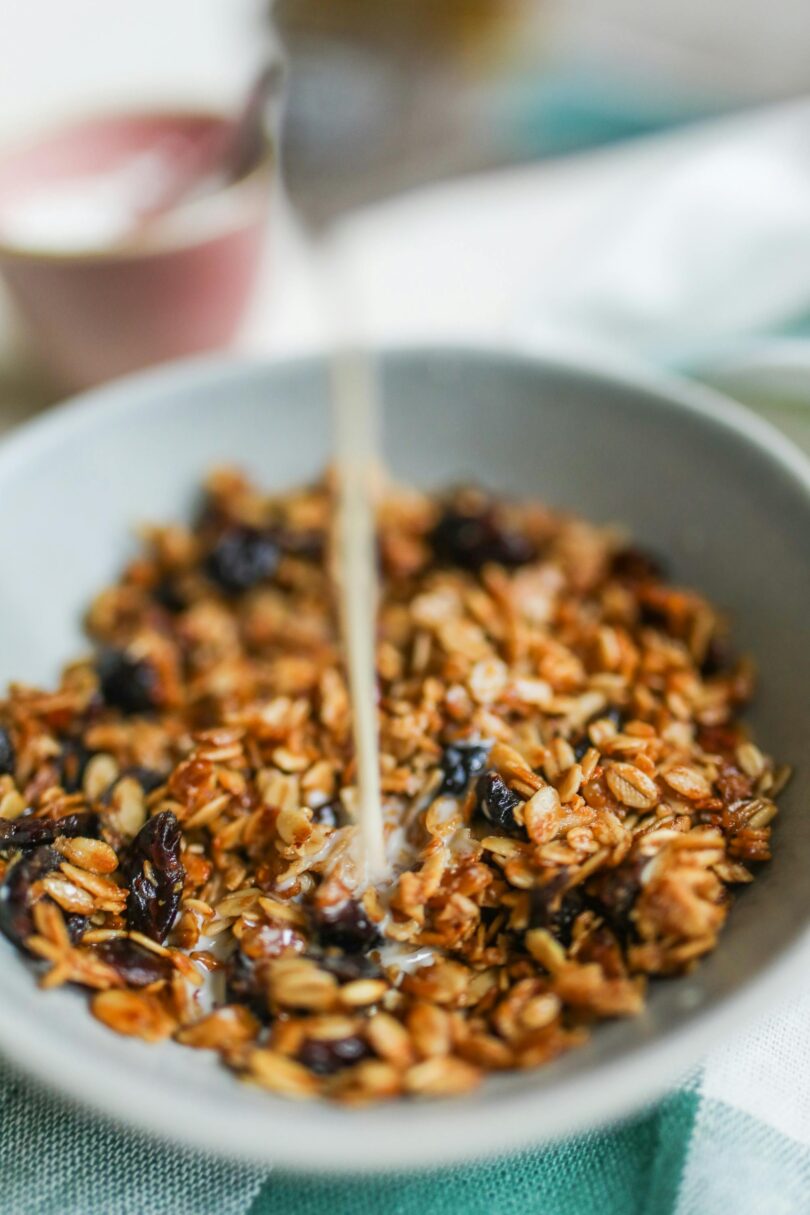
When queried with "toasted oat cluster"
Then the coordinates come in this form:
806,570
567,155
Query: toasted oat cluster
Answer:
568,792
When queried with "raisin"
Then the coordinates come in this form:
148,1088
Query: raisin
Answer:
31,832
614,714
347,927
346,967
169,596
132,963
154,872
8,756
127,683
325,1057
496,801
718,657
472,540
633,564
581,748
17,896
654,616
328,815
614,894
241,558
73,759
244,984
582,745
459,764
555,908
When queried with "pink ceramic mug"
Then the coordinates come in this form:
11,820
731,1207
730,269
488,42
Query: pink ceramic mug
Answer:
175,285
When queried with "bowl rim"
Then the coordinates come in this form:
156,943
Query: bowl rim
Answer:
449,1131
160,236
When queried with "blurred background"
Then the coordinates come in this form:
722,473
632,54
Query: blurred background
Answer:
615,174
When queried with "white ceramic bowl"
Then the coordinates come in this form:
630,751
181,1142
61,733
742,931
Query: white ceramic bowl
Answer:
696,478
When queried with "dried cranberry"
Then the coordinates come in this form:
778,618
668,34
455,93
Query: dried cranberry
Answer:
633,564
17,896
324,1058
241,558
127,683
132,963
460,763
473,539
154,872
8,756
31,832
614,893
347,927
496,801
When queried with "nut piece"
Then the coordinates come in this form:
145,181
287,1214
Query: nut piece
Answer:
298,983
371,1080
12,804
362,992
133,1014
442,1076
93,855
389,1038
222,1029
99,774
282,1075
429,1028
750,759
545,949
69,897
540,1011
127,810
541,814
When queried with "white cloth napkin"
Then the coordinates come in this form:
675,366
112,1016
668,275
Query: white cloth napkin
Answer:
678,248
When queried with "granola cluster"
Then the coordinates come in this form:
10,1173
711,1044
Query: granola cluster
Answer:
569,794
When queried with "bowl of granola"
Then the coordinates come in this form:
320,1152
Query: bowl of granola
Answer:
592,718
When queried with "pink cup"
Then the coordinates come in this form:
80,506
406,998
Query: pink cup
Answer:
177,285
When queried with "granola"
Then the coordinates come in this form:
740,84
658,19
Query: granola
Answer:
569,794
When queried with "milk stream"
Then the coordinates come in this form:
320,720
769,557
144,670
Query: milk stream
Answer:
356,430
